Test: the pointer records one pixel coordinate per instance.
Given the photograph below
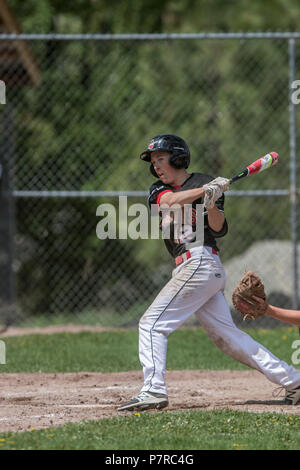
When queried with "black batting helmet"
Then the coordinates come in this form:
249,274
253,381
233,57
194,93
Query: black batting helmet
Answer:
177,147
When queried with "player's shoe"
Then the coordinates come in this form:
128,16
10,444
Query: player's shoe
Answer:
292,397
145,401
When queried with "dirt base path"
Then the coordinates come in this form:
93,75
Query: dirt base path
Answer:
47,400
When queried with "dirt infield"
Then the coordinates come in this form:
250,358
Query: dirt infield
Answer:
47,400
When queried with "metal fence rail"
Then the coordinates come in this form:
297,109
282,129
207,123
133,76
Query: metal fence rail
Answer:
71,143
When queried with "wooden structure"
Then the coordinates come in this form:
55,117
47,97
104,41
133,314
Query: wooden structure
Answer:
17,63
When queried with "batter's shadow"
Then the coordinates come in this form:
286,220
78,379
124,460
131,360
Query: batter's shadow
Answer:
262,402
230,403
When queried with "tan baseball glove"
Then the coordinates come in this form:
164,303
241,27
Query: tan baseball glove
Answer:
242,298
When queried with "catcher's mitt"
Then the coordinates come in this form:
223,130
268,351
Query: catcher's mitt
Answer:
242,298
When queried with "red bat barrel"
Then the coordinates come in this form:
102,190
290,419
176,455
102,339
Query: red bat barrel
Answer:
263,163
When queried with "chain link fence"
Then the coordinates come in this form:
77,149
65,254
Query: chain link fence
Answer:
71,143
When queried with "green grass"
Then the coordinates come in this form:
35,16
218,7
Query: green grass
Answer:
214,430
72,352
117,351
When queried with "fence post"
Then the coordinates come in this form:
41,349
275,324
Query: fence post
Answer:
7,154
293,173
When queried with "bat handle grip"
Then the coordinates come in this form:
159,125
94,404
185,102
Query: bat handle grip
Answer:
242,174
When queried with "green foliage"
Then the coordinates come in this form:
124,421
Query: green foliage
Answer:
153,16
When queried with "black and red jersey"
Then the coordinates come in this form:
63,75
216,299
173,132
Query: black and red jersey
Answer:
177,247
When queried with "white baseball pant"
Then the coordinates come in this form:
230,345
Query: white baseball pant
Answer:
197,287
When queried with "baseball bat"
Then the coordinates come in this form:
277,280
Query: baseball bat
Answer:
262,163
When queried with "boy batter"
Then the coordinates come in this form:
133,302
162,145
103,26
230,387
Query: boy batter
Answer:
197,282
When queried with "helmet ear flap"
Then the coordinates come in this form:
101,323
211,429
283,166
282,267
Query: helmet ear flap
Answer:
152,171
176,162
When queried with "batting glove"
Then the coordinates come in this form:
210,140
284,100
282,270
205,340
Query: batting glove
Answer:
214,190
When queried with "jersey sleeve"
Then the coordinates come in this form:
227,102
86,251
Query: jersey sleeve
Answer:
156,191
